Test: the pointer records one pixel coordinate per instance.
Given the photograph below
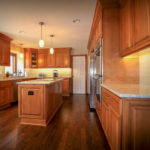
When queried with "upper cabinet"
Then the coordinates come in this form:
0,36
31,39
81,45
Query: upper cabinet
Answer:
63,57
43,59
4,50
96,29
126,25
134,26
141,20
30,58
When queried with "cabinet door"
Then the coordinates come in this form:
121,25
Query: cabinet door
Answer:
114,131
135,124
5,93
42,60
31,101
66,58
34,58
126,25
5,52
66,87
141,19
59,58
105,118
51,60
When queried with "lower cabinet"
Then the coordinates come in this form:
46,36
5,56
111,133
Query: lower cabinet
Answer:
5,93
66,87
125,121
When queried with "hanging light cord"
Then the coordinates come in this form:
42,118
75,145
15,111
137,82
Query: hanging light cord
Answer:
41,31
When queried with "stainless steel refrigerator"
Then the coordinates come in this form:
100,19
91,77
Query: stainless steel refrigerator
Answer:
96,74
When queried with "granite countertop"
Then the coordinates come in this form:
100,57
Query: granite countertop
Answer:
15,78
129,90
41,81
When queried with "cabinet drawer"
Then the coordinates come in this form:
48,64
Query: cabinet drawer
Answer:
112,100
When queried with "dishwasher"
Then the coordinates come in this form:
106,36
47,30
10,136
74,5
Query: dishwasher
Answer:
15,90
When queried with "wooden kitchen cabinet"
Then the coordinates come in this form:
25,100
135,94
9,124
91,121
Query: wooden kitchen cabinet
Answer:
135,125
123,122
96,29
141,20
43,58
66,87
4,50
59,58
51,60
134,26
98,109
38,104
62,56
126,25
5,93
30,58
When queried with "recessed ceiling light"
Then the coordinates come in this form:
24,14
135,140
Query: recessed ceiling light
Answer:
21,32
76,20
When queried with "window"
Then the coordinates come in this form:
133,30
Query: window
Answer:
13,64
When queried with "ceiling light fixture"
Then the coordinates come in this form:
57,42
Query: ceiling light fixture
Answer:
51,49
41,42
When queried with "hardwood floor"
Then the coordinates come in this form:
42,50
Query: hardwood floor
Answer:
74,127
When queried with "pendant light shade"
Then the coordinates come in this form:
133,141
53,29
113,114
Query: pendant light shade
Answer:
51,49
41,42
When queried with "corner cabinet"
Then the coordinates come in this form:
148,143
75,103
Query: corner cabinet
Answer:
134,26
123,122
4,50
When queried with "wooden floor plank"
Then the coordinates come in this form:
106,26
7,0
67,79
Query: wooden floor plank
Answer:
74,127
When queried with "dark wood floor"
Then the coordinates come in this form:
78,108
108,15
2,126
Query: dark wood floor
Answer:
73,128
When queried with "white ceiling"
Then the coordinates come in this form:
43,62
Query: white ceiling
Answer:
24,15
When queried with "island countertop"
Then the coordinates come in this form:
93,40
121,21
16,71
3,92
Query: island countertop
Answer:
45,81
129,90
15,78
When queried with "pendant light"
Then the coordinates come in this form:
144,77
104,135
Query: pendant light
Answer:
41,42
51,49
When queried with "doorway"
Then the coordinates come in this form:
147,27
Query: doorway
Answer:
79,74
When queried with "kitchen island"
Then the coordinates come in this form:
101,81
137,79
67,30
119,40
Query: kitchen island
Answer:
39,100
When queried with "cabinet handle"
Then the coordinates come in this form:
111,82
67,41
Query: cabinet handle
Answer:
30,93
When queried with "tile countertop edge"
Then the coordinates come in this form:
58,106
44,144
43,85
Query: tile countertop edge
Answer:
126,95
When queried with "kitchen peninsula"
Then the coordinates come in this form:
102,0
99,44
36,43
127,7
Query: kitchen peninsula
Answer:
39,100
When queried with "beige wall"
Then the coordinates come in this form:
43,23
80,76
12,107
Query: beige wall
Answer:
145,69
116,68
78,52
62,72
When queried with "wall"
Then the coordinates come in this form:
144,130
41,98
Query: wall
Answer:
62,72
2,71
116,69
145,69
